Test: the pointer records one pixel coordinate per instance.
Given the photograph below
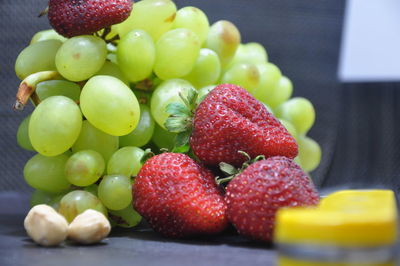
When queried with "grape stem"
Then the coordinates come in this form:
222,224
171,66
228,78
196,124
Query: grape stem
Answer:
44,12
27,88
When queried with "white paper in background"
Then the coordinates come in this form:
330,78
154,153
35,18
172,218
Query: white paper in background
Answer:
371,41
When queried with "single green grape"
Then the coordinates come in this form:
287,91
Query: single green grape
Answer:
55,125
47,173
309,153
166,93
23,135
153,16
298,111
37,57
92,138
206,70
112,69
142,133
78,201
290,128
115,192
126,218
224,38
282,92
203,92
136,55
65,88
176,53
92,189
245,75
194,19
126,161
84,168
45,35
80,57
269,80
163,138
110,105
252,52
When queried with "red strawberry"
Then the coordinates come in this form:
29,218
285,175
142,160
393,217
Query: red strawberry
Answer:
179,197
78,17
229,120
254,196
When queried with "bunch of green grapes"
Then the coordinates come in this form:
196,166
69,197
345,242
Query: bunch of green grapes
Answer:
99,104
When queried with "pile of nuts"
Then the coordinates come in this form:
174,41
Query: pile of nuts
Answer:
49,228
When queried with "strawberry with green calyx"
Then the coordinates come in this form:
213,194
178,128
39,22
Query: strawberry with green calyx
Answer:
228,120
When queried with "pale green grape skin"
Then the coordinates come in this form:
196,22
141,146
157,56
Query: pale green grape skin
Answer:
203,92
92,138
142,133
252,52
84,168
290,128
110,105
163,138
23,135
126,161
176,53
309,153
245,75
65,88
47,173
269,80
298,111
194,19
45,35
55,125
126,218
153,16
166,93
283,91
224,38
92,189
80,57
78,201
115,192
111,69
37,57
40,197
136,55
206,70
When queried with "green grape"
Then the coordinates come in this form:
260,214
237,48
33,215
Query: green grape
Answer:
163,138
45,35
142,133
111,69
126,218
136,55
126,161
250,53
40,197
65,88
81,57
206,70
153,16
92,189
290,128
110,105
37,57
55,125
166,93
298,111
203,92
84,168
224,39
47,173
92,138
282,92
78,201
115,192
245,75
194,19
176,53
23,135
309,153
269,80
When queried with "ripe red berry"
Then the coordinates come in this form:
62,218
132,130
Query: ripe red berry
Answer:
78,17
179,197
254,196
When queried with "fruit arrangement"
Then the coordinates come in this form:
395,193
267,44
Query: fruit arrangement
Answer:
143,109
